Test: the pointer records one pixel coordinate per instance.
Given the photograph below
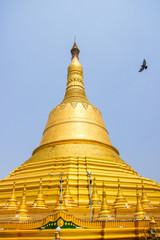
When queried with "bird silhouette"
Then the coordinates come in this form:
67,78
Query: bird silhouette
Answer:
143,66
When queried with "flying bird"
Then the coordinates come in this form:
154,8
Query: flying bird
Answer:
143,66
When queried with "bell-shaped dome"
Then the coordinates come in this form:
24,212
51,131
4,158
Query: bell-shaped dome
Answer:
75,119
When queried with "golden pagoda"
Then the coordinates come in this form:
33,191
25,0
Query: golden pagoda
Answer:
75,157
105,213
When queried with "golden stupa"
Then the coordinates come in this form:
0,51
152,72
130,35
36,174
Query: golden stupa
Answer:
76,181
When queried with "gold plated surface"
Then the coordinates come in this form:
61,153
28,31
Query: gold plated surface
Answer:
140,213
75,141
75,118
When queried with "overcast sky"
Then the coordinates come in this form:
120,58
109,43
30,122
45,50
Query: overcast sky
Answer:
114,37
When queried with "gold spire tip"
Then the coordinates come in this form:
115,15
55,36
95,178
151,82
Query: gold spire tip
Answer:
75,50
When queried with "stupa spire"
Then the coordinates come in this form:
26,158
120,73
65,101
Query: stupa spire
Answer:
22,212
140,214
120,201
75,119
12,202
39,201
75,85
95,197
105,213
144,200
75,50
68,200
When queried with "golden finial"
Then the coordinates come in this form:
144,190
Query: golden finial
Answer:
144,200
12,202
95,197
75,85
68,200
75,50
140,214
120,201
105,213
67,191
22,212
39,201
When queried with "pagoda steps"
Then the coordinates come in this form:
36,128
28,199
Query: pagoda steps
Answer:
98,164
69,160
81,176
72,164
108,169
72,168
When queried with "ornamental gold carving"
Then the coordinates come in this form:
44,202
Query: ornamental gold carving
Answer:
73,104
85,105
62,106
60,222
